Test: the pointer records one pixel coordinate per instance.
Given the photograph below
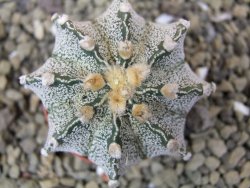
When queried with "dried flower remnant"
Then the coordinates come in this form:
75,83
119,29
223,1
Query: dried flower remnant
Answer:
117,89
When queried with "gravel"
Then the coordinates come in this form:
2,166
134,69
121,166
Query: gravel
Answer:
217,132
217,147
235,156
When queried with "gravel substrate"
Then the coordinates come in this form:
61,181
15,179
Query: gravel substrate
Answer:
217,47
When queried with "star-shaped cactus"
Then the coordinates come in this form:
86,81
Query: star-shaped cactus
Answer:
117,89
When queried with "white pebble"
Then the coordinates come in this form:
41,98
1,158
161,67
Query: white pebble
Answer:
203,6
240,107
222,17
202,72
164,19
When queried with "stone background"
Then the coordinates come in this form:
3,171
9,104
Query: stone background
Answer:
217,129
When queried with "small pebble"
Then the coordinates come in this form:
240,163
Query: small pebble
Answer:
14,95
49,183
5,67
196,161
235,156
232,178
3,82
38,29
214,177
14,172
91,184
198,145
245,183
245,172
212,163
241,108
217,147
227,131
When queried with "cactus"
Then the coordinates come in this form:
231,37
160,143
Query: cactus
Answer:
117,89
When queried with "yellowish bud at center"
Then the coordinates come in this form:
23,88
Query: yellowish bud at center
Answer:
117,102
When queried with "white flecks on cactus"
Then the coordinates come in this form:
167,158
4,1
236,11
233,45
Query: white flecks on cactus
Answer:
115,150
48,79
117,89
87,43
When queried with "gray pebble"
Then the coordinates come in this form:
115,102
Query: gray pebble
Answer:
235,156
6,183
196,161
15,60
240,84
14,172
232,178
245,172
2,30
245,183
38,29
156,167
24,50
195,177
212,163
225,86
58,167
68,182
135,184
5,67
198,145
28,145
217,147
244,137
3,82
227,131
91,184
49,183
14,95
214,177
29,184
240,11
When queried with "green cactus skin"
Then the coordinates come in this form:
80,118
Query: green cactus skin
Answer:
117,118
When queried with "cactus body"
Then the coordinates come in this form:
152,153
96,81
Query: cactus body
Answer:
117,89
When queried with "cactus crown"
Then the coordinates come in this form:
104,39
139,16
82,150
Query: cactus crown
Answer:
117,89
